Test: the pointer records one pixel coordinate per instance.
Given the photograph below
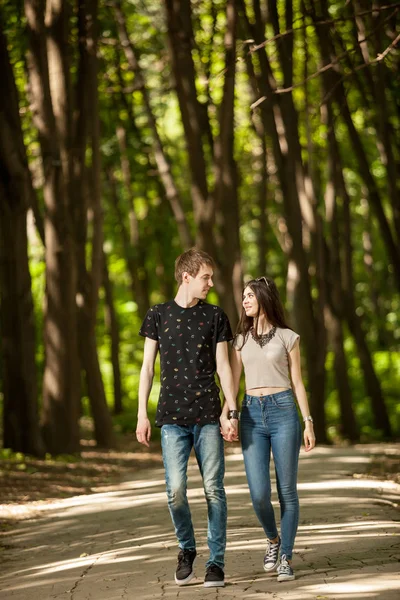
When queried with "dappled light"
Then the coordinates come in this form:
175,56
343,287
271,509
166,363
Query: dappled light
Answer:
117,536
365,587
172,173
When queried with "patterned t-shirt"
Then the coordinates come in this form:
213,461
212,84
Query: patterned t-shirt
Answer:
187,340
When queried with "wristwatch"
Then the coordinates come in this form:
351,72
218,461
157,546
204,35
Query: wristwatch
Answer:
233,414
309,418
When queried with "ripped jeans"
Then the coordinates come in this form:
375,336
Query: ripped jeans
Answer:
177,442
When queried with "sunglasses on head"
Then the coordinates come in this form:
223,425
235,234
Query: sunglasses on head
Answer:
264,279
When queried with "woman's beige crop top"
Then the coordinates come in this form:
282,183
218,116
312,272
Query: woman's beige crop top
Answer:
267,366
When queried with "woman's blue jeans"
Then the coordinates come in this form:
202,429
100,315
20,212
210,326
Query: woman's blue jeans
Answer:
177,442
271,422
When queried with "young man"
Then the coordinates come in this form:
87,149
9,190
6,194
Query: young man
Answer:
192,338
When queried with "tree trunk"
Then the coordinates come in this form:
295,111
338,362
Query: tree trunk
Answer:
348,425
136,249
375,286
335,84
180,35
163,183
262,245
130,259
226,180
89,357
162,161
347,301
61,376
20,408
258,123
378,80
91,278
334,297
200,145
373,387
113,327
280,122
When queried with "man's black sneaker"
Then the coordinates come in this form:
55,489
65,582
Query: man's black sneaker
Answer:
184,570
214,577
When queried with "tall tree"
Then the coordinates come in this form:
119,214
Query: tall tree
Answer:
111,319
280,120
226,179
88,198
320,16
20,409
218,203
160,155
61,376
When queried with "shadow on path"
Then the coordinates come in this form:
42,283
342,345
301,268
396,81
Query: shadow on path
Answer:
119,543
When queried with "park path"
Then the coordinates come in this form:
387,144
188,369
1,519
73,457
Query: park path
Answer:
119,544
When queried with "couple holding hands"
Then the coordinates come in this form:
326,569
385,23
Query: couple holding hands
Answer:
192,338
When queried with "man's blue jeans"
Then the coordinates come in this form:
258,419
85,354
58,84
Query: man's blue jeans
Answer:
177,442
271,422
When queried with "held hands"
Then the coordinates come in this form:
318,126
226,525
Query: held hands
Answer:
143,431
229,429
309,436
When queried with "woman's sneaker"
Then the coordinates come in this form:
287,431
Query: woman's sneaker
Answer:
184,570
271,558
214,577
285,571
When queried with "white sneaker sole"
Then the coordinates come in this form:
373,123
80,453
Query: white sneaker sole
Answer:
282,578
271,570
214,583
184,581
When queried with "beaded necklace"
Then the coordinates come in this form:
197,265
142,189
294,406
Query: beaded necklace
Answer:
264,338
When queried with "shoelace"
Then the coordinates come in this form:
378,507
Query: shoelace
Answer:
284,567
272,552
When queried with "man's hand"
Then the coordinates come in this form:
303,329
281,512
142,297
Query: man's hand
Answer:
143,431
229,429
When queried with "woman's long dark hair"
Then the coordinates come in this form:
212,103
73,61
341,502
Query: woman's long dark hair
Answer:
269,303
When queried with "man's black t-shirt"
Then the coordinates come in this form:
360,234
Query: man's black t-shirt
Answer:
187,339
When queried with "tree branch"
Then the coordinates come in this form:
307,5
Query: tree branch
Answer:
331,65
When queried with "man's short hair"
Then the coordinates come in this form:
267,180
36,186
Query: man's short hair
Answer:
191,262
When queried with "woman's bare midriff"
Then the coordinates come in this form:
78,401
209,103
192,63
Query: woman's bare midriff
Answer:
265,391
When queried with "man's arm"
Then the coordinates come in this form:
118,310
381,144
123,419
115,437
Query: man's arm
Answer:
229,426
143,428
237,367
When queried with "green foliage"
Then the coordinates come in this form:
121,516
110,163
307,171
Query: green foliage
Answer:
19,460
122,105
387,366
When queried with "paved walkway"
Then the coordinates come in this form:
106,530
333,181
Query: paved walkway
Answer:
118,544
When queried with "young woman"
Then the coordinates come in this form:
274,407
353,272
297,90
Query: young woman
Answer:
269,351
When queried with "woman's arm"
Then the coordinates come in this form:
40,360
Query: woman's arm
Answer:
300,393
